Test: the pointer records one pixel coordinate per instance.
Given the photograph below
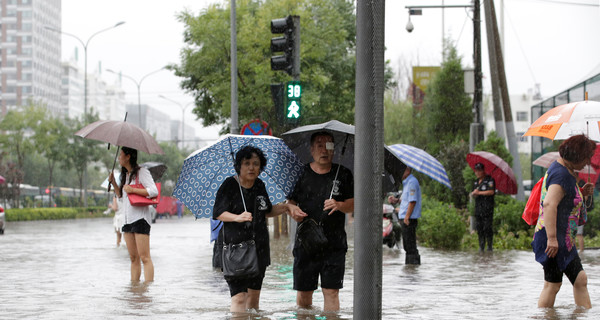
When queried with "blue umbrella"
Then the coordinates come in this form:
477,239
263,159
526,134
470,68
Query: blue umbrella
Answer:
205,170
422,162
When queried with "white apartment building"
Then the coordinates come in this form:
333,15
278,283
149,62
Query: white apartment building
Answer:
30,67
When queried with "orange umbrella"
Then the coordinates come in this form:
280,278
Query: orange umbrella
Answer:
567,120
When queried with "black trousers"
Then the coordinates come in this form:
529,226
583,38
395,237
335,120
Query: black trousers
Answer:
485,230
409,236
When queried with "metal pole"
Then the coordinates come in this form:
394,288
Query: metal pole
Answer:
476,130
498,114
296,66
368,159
139,85
510,127
234,128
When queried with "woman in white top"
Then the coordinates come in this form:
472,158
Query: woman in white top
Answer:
137,219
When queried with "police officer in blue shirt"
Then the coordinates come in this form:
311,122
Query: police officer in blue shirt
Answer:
409,213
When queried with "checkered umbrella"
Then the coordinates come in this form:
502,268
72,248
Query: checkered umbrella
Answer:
205,170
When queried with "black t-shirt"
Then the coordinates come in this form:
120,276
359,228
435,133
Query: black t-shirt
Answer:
228,198
484,204
310,193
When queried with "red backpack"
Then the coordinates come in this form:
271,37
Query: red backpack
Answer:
532,208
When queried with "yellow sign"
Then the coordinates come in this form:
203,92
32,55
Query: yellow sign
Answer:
422,76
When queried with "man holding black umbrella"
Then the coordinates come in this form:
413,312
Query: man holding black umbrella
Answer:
325,192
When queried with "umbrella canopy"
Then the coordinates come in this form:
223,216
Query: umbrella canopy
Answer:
121,133
495,167
564,121
298,140
546,160
421,161
157,169
2,179
204,170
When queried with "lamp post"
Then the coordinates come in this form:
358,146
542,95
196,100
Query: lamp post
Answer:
85,86
182,115
139,85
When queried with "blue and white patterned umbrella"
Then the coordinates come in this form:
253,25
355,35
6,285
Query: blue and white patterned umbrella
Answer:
421,161
205,170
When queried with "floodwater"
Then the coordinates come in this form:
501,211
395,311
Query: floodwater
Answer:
72,269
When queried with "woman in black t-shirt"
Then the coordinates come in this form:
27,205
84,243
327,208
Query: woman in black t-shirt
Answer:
241,224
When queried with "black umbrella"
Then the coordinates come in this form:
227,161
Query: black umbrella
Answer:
298,140
156,169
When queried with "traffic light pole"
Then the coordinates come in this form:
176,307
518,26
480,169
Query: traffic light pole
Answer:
296,53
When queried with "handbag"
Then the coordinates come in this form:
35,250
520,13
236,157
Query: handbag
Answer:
532,208
311,237
240,259
137,200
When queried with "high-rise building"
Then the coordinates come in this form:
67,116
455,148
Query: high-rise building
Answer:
30,68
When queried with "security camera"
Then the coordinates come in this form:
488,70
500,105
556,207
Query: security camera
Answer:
409,26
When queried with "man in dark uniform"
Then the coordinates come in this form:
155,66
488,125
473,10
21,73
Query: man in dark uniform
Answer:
484,189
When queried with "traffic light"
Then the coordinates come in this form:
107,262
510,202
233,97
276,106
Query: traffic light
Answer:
289,44
293,109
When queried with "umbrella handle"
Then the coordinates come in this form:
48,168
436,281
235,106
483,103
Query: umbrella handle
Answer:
113,168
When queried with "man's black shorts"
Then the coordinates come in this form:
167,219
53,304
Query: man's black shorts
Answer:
553,274
140,226
242,285
330,267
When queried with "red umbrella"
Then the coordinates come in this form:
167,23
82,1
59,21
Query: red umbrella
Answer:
595,163
497,168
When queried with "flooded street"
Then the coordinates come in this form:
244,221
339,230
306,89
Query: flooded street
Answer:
72,269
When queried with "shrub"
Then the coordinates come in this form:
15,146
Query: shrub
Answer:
441,225
29,214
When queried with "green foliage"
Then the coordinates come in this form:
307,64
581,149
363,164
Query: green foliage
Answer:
441,226
173,159
447,108
453,157
592,226
327,60
30,214
508,212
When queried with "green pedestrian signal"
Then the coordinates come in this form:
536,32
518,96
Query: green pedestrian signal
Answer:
293,107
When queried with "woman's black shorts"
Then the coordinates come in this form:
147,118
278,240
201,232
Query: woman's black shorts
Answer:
140,226
553,274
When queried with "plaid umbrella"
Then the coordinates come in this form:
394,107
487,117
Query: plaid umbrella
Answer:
421,161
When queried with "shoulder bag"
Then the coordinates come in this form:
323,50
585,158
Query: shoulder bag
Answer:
140,201
240,259
311,237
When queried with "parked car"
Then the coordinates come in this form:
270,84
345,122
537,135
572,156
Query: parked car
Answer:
2,220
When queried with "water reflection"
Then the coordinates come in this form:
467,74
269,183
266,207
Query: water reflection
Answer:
45,277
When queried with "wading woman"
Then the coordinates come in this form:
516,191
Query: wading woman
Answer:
136,230
241,225
563,209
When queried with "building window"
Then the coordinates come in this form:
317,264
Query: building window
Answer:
522,116
521,137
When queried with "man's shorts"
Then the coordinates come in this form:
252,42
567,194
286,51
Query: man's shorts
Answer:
140,226
330,267
553,274
242,285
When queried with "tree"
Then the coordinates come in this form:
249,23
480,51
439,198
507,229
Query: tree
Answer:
80,152
328,39
173,159
51,139
447,108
